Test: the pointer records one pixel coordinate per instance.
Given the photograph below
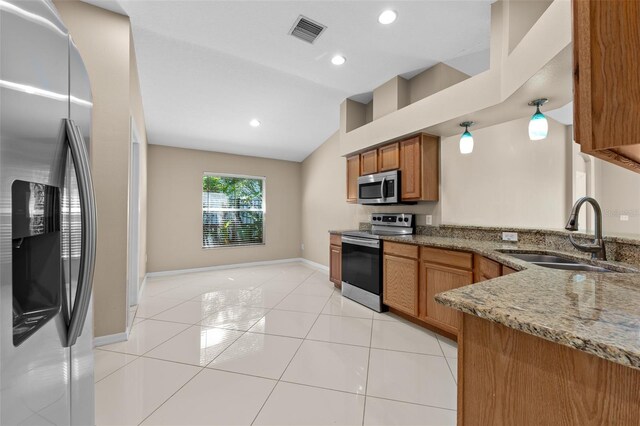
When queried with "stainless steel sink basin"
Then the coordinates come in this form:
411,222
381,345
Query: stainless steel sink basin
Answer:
542,258
573,267
557,262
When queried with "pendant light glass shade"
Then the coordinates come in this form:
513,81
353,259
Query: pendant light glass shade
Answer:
466,140
538,126
466,143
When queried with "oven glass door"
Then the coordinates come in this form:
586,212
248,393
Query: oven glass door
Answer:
361,267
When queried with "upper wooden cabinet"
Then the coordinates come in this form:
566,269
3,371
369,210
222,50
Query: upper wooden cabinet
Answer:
419,168
417,159
389,157
606,43
369,162
353,171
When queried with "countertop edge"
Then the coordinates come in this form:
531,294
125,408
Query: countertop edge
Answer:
605,351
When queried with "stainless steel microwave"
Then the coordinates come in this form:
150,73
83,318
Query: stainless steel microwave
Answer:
379,188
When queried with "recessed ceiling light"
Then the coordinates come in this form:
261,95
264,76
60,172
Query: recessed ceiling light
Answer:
254,123
387,17
338,60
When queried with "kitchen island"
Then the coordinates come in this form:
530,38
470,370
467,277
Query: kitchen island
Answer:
549,347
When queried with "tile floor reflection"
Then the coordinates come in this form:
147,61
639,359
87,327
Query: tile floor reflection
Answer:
271,345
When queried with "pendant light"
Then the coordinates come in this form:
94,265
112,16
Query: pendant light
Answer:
538,125
466,140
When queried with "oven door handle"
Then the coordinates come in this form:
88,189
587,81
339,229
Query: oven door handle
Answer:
361,242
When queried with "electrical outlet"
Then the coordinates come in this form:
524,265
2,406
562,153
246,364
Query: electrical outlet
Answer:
429,219
509,236
624,217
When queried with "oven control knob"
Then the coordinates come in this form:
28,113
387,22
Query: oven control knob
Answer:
406,219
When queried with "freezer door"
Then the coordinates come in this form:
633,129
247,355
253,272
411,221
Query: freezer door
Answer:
82,382
34,359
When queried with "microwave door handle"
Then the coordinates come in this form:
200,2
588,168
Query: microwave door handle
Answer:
80,159
383,192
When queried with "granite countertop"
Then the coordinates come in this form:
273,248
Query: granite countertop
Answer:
597,313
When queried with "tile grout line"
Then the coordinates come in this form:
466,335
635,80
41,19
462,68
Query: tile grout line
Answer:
289,363
244,332
447,361
366,385
206,366
199,372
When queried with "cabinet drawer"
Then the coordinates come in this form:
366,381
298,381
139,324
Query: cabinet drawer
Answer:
456,259
487,269
399,249
335,239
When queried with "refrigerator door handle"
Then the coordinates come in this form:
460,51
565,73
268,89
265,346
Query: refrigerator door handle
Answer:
80,159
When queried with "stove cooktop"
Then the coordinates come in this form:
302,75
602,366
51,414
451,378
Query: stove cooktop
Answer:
373,234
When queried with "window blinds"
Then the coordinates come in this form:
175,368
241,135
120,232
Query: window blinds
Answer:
233,210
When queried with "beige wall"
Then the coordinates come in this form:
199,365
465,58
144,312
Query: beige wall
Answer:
324,192
618,192
508,180
174,219
104,41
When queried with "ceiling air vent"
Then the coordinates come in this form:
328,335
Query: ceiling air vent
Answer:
307,30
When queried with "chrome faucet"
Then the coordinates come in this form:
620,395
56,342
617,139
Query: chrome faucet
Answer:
596,248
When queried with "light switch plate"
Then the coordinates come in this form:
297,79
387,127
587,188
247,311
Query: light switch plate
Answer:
429,219
509,236
624,217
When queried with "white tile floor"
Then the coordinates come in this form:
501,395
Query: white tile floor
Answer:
271,345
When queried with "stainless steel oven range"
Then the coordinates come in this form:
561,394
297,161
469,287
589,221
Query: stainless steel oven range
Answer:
362,257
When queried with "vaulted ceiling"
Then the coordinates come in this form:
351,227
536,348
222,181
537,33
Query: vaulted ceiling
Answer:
209,67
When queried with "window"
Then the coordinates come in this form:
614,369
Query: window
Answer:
233,210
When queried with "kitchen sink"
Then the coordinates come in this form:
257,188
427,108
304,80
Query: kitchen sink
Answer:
557,262
573,267
542,258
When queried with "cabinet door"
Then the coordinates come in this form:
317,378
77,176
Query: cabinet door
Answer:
389,157
506,270
436,279
606,86
486,269
335,265
353,171
410,169
369,162
400,284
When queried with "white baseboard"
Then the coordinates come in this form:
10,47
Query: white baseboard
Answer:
221,267
111,338
314,264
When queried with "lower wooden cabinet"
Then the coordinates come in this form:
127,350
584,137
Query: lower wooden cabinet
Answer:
436,279
413,275
486,269
335,260
400,275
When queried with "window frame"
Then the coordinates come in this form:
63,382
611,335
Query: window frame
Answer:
264,210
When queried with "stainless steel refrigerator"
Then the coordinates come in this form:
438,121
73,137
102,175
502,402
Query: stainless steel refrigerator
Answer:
47,221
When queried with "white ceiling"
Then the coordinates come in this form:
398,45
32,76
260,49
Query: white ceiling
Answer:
208,67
